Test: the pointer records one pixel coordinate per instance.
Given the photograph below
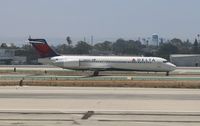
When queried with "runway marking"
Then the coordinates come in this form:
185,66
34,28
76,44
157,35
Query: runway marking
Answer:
168,121
93,115
88,115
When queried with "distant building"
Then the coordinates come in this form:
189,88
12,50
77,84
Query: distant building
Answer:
155,40
188,60
6,55
44,61
19,60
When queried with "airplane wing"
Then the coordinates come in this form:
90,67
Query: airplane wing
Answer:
100,67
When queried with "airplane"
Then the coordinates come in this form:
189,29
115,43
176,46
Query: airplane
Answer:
102,63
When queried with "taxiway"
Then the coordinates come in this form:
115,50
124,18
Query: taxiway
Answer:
99,106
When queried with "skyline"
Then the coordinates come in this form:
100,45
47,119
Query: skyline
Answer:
105,19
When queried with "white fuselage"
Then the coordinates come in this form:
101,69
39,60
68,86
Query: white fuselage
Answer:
102,63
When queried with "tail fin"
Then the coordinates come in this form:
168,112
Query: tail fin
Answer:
42,48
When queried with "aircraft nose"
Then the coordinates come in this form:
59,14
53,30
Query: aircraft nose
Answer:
172,67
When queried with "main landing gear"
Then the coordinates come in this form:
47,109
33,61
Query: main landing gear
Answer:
167,73
96,73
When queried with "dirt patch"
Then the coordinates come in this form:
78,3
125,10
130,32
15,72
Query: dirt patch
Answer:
103,83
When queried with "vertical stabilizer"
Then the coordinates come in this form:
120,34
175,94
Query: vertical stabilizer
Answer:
42,48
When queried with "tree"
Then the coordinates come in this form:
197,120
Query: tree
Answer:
166,49
186,47
69,41
130,47
82,48
133,47
183,47
105,46
119,47
195,47
176,42
65,49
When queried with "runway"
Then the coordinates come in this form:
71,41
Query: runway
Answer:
97,106
107,106
101,95
47,72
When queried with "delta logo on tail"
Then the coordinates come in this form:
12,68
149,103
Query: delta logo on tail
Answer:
42,48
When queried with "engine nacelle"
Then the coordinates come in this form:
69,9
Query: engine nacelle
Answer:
67,63
71,63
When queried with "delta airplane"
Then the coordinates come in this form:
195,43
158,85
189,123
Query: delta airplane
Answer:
102,63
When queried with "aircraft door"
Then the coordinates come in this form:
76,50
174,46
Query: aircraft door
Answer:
158,65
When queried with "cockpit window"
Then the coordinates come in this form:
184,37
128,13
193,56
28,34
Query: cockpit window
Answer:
165,61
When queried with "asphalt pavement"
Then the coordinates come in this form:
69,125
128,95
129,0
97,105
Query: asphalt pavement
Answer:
59,106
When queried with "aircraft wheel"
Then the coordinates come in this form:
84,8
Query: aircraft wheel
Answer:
96,73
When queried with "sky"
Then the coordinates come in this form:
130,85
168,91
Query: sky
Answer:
104,19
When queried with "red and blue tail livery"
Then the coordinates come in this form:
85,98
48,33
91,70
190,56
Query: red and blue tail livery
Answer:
42,48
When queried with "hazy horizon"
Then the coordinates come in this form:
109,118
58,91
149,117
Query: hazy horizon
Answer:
128,19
